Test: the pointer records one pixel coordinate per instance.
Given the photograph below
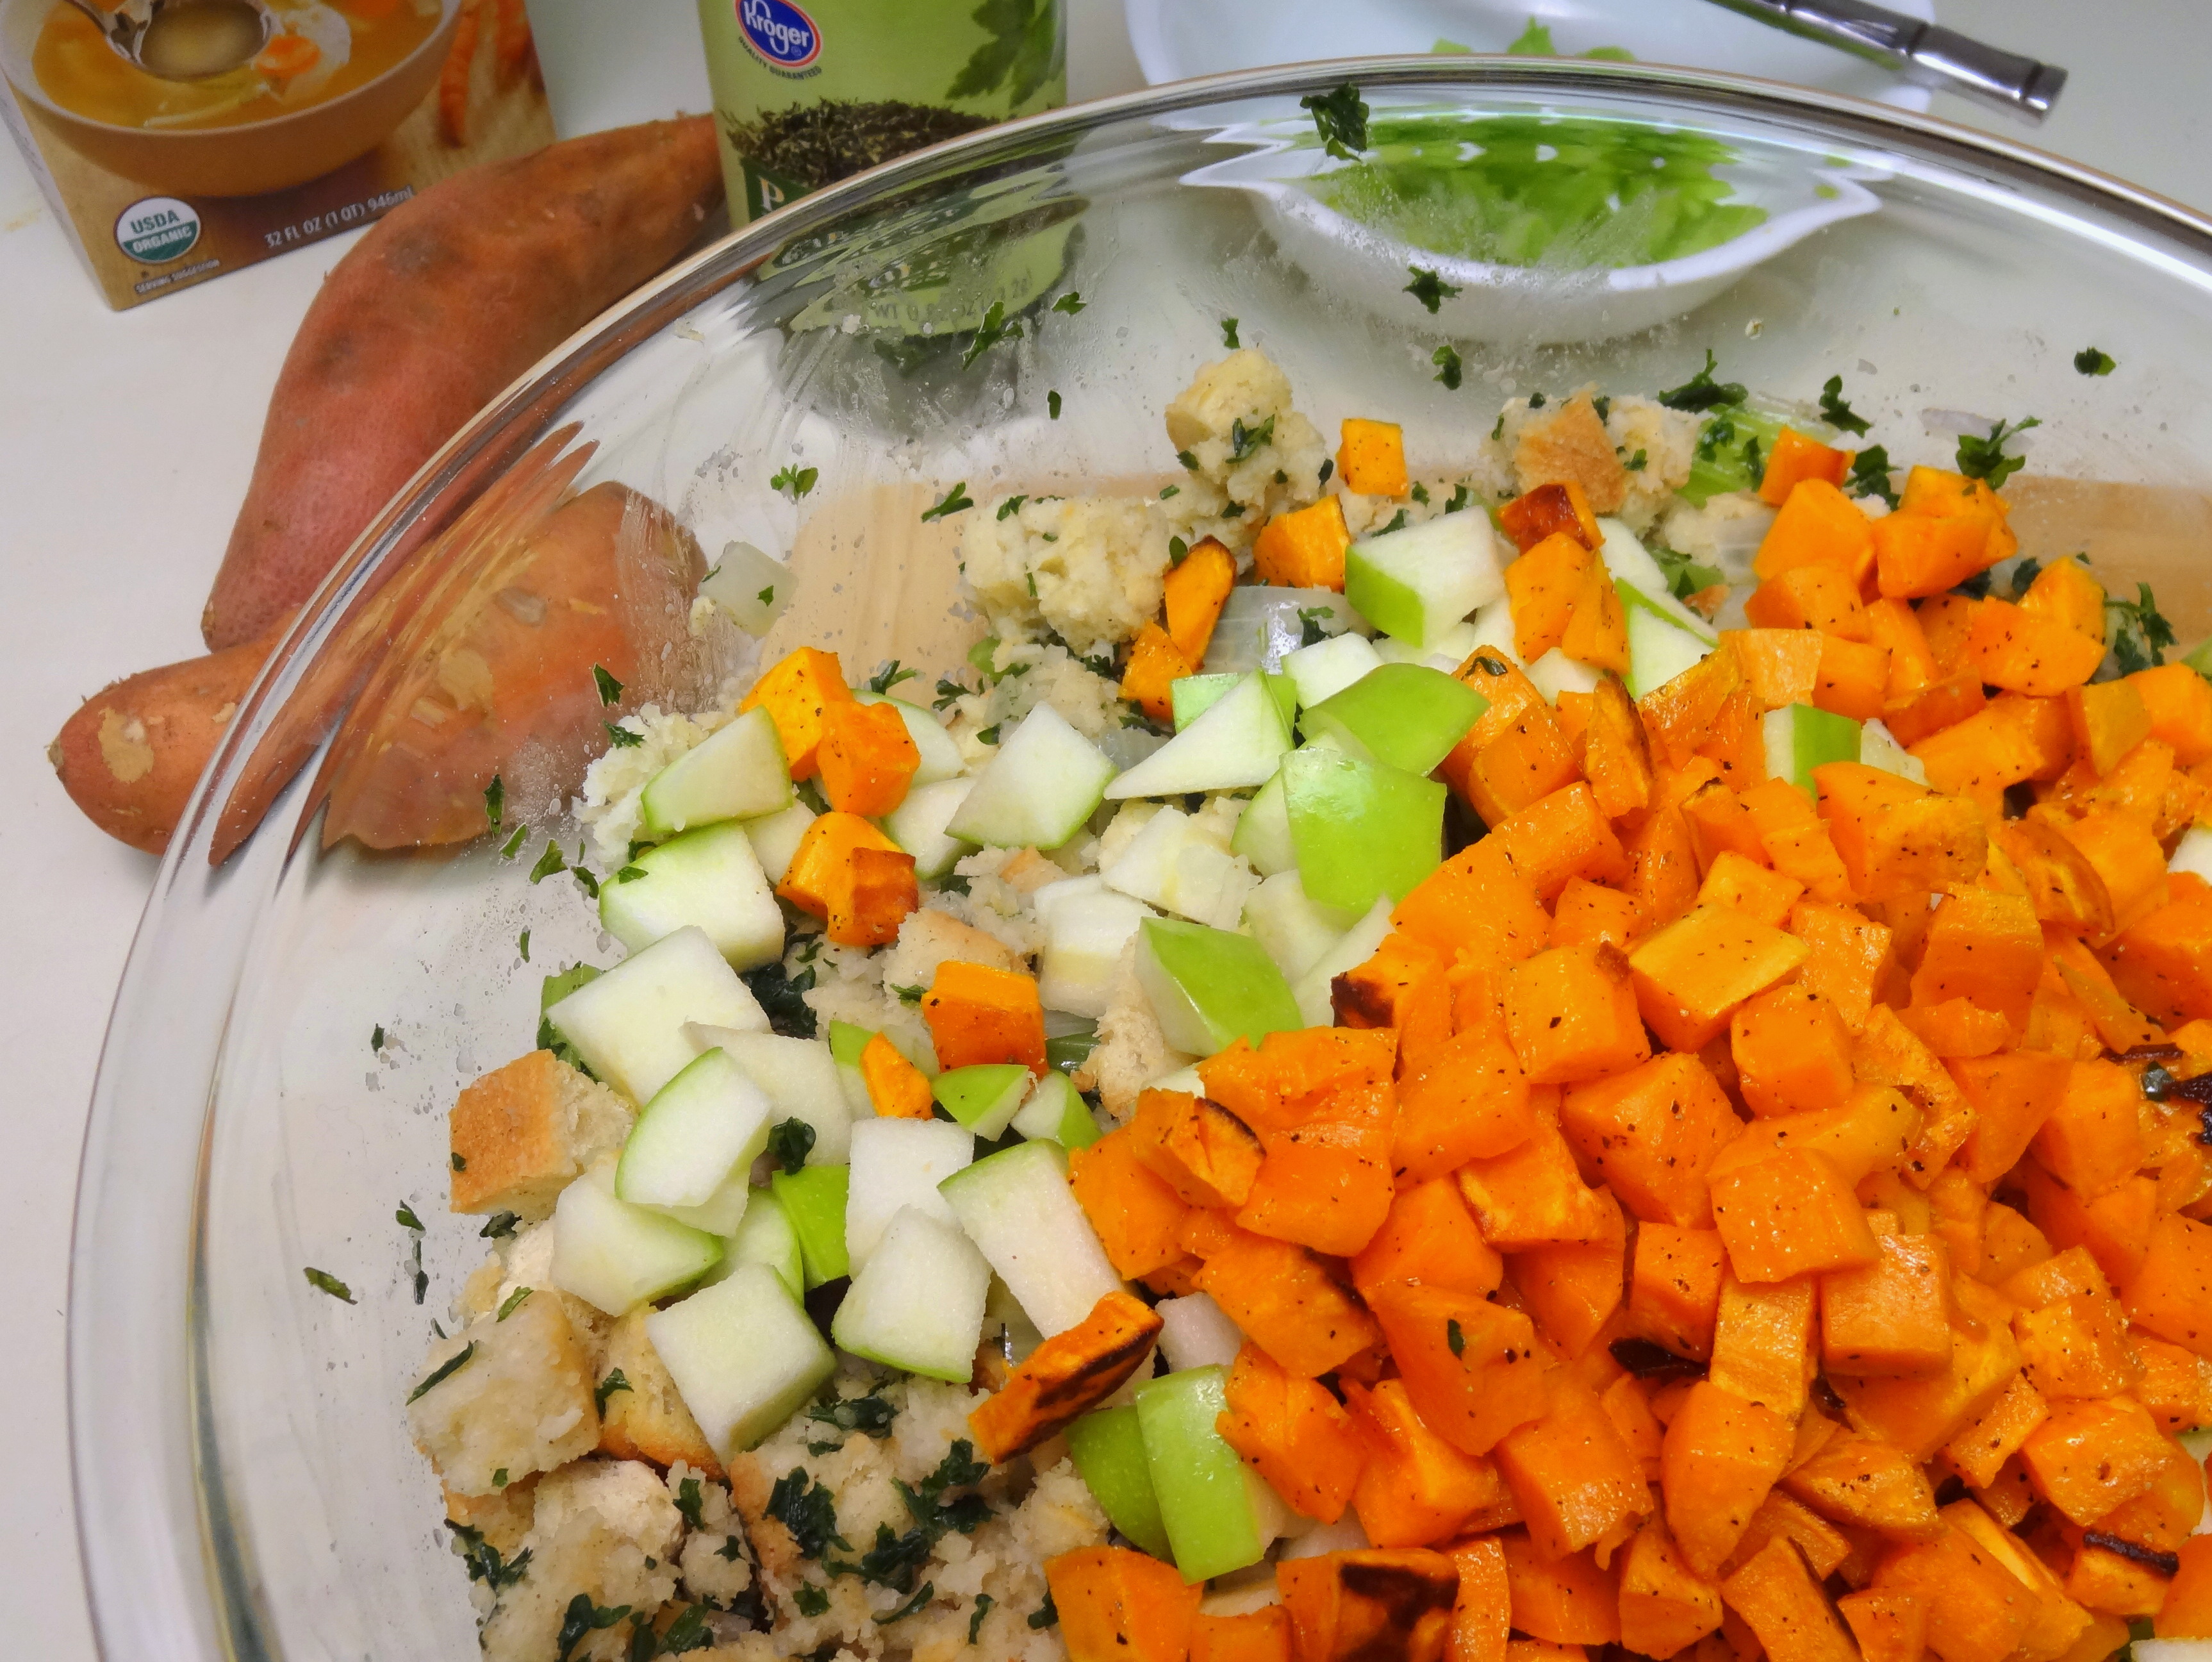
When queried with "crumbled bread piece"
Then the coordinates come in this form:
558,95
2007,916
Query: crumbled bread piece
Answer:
522,1402
604,1528
1571,444
502,1518
1026,871
648,1421
1132,1051
716,1562
523,1133
932,936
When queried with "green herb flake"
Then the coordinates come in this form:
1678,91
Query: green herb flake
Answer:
484,1559
923,1594
810,1599
793,480
1869,475
495,800
405,1217
1985,458
522,945
1045,1615
1637,463
582,1619
1454,1338
1428,288
1420,493
1535,400
621,737
1535,41
989,735
767,596
376,1037
809,1511
549,863
953,502
1461,496
629,874
586,881
1327,467
1834,411
1603,405
1449,370
2141,633
610,689
606,1388
1011,506
513,1302
1702,391
1229,333
1684,576
889,676
870,1414
460,1162
1246,442
789,1144
688,1502
1397,523
910,994
498,1227
445,1371
512,846
1189,461
731,1548
2089,360
994,328
983,1603
499,1478
688,1632
1310,619
1340,118
948,693
1071,302
1051,405
323,1281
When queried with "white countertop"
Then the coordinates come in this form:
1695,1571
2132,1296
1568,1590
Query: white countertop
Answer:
125,442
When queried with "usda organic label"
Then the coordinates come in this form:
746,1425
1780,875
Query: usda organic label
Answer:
158,229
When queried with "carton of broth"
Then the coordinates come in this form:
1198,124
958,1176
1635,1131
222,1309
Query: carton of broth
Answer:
182,139
807,94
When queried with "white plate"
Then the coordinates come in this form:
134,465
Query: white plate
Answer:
1175,40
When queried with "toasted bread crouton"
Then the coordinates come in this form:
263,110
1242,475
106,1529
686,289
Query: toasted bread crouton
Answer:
521,1403
1572,444
502,1518
522,1133
1026,871
930,937
648,1421
607,1528
1132,1051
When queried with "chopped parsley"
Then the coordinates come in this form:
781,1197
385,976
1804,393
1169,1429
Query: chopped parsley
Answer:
810,1599
782,997
1454,1338
549,863
994,328
621,737
767,596
1834,411
688,1502
889,676
983,1603
926,1591
2091,361
514,1301
1071,302
1535,41
1449,369
376,1037
445,1370
1684,576
512,846
952,503
585,880
582,1619
1245,442
730,1550
1170,490
629,874
1636,463
1327,467
1535,400
323,1281
485,1564
1229,333
606,1388
1397,523
789,1144
1051,405
870,1414
989,735
948,693
808,1511
688,1632
1011,506
1428,288
911,995
1234,511
1311,618
1045,1615
1340,118
2024,575
498,1227
405,1217
1985,458
1702,391
495,800
2141,633
795,481
1189,461
460,1162
499,1478
1870,475
1460,497
1420,493
522,945
610,689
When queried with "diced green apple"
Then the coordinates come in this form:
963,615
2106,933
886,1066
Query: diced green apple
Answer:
1295,930
918,1303
1799,738
2193,854
776,837
1878,748
939,750
1417,582
1018,1209
1329,666
614,1256
764,1236
737,772
1208,988
1046,780
1361,829
1208,1508
1630,566
847,1040
709,877
1263,830
1086,925
898,1163
814,1200
628,1024
1359,944
1659,649
918,824
1404,716
801,1078
1107,1447
984,1096
743,1355
1179,864
754,589
1447,652
1492,627
1190,696
1056,1111
691,1152
1555,673
1235,744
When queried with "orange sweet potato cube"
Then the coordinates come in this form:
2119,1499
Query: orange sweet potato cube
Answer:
1286,1299
1468,1365
1752,888
1573,1477
1977,1610
1115,1602
1818,525
1532,1196
1820,598
1543,587
1721,1455
1789,1213
1537,514
1155,665
1466,1099
897,1088
1674,1287
1763,1336
2170,1296
1413,1487
797,692
1892,1316
1777,1598
1294,1433
2092,1141
1690,976
1918,554
1559,1600
1985,946
2163,963
1138,1217
1371,457
977,1013
1305,549
2025,652
1890,1626
1792,1051
2012,1096
2077,1347
867,758
2179,704
1200,1149
1795,457
1665,1605
1650,1135
1572,1289
1325,1183
853,877
1429,1237
2087,1457
1194,590
1571,1014
1371,1602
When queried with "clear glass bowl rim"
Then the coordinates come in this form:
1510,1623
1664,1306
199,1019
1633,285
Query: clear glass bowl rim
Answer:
161,1588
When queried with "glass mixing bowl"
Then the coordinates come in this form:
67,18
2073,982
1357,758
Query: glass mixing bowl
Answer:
245,1482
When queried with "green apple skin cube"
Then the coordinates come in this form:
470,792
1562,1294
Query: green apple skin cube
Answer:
1403,715
1107,1447
1800,737
1191,696
1361,829
1206,1508
813,1198
1210,988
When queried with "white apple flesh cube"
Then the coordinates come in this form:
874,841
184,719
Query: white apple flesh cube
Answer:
1659,649
692,1149
899,1163
1555,673
709,877
801,1078
1417,582
743,1355
737,772
628,1024
754,589
1181,867
1018,1209
939,750
1263,830
1237,743
1878,748
1086,925
615,1256
1630,564
1046,780
1195,1332
917,826
917,1302
776,837
1799,738
983,1096
1329,666
1295,930
764,1235
1359,944
1057,1112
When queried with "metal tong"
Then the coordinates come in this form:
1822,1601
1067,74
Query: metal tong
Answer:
1927,54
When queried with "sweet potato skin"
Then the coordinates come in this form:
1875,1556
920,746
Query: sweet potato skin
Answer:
131,754
442,304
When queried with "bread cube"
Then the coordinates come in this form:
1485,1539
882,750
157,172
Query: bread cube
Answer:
523,1133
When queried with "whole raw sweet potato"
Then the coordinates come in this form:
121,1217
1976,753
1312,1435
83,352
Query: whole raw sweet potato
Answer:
442,304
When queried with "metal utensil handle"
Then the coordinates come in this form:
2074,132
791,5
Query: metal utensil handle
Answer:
1926,53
